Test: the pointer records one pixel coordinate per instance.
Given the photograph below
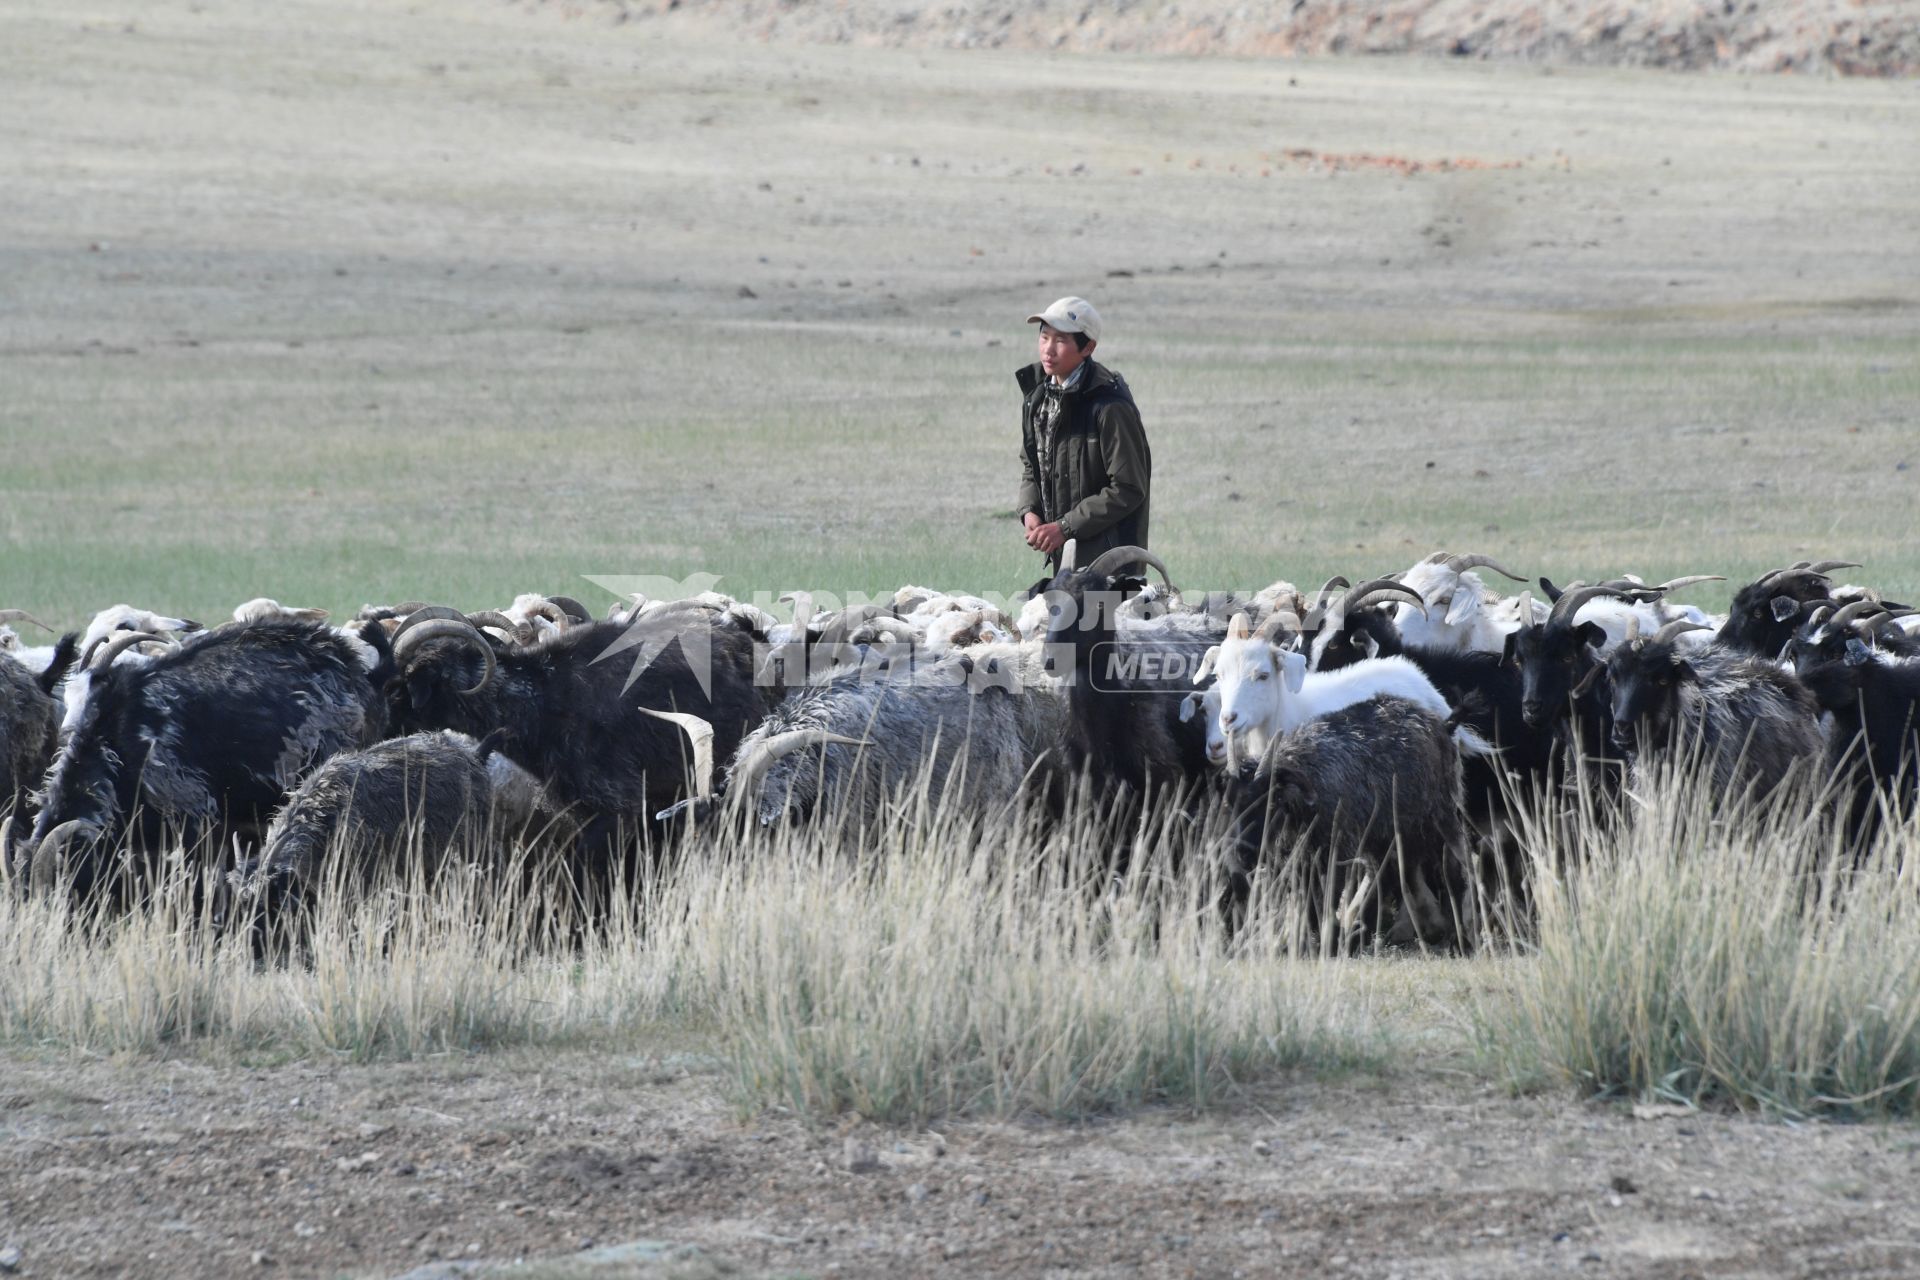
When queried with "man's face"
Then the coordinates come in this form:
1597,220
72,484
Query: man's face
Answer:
1060,355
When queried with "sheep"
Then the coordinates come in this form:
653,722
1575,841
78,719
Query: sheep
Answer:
1266,689
1460,610
544,615
1365,793
1754,724
205,740
575,709
1765,613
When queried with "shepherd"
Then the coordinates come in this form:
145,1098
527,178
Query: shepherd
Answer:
1085,468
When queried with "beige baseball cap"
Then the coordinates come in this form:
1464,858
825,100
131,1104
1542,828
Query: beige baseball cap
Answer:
1070,315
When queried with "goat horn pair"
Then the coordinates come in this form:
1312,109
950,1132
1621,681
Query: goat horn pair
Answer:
1460,564
116,643
21,615
1870,626
763,755
700,733
416,631
1846,614
1111,562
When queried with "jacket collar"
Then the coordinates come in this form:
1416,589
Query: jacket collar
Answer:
1033,376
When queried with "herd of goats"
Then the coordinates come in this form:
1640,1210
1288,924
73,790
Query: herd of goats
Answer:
1381,732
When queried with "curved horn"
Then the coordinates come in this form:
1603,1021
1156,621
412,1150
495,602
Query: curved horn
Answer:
1846,614
700,733
520,631
1460,564
571,607
751,770
1576,598
1240,626
1126,557
1679,584
47,856
1070,554
413,637
1633,630
1676,628
1374,589
1824,567
428,613
1872,625
115,643
1781,576
1338,582
21,615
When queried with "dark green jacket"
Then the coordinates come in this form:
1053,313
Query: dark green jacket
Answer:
1093,473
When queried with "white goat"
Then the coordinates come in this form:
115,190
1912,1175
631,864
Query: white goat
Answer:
1461,611
1266,690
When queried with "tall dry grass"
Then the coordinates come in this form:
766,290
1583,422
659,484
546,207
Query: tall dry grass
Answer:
1713,952
948,962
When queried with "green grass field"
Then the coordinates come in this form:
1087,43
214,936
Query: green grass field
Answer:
339,306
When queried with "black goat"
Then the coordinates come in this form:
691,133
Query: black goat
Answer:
1371,790
1124,689
1767,611
1874,699
575,709
1753,723
203,742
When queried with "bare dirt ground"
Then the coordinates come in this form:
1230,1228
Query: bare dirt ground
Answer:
192,1170
1851,37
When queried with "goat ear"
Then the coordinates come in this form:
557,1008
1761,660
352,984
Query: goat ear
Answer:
1189,707
1507,647
1592,634
1207,660
1784,607
419,690
1293,669
1371,645
1461,606
1551,592
1857,652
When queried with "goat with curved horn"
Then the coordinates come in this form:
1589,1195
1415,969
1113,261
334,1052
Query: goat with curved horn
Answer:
21,615
110,646
413,635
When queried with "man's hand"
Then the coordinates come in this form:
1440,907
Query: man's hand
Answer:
1031,521
1047,539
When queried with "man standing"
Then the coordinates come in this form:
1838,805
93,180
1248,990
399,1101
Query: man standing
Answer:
1085,468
